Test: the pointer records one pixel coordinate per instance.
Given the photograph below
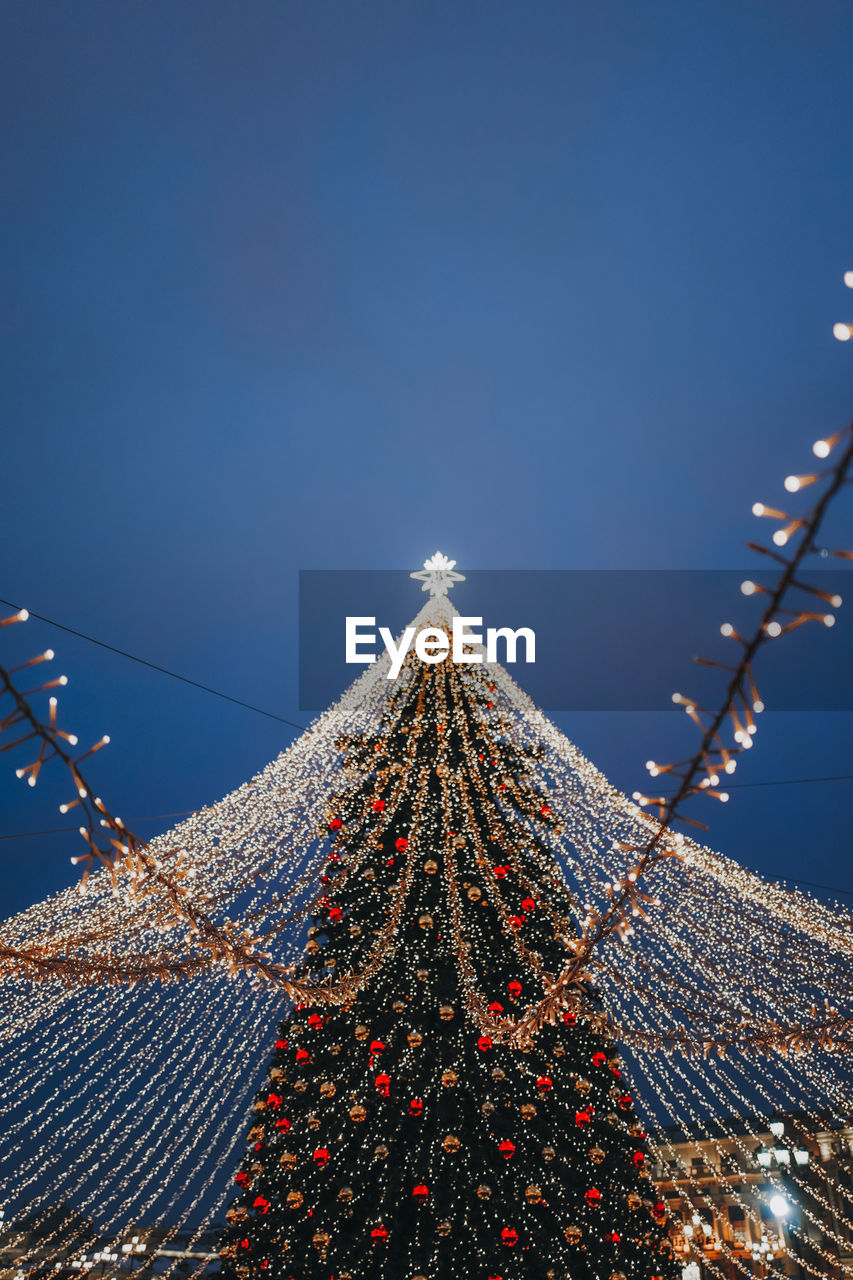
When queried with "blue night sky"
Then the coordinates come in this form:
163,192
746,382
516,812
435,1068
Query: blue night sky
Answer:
291,286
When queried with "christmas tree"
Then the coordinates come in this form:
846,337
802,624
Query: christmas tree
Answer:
393,1136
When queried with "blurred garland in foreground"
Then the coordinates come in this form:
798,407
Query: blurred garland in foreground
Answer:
271,830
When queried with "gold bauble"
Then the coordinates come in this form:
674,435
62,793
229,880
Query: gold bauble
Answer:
289,1160
548,1153
634,1200
334,1050
484,1191
559,1051
596,1155
444,1228
459,842
313,1121
618,1275
358,1113
498,1073
475,893
399,1006
528,1111
300,1086
582,1085
431,866
422,974
381,1152
488,1107
415,1039
425,921
370,874
449,1079
321,1240
451,1142
293,1199
361,1032
446,1012
533,1194
573,1234
345,1195
355,930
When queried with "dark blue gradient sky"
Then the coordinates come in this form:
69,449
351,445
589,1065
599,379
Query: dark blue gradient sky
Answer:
331,285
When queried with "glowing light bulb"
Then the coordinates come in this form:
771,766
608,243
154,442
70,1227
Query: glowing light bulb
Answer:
105,739
780,537
842,332
23,614
758,707
829,620
48,655
31,780
731,765
835,601
53,702
758,508
792,483
72,738
727,629
773,629
848,279
779,1206
748,588
724,796
63,680
821,448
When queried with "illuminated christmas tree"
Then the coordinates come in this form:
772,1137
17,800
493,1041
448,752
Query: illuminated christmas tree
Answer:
393,1137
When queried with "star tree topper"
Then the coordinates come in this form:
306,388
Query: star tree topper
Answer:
438,575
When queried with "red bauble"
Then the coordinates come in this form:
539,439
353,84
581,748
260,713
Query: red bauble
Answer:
316,1020
383,1084
516,921
593,1197
545,810
335,913
599,1059
302,1055
614,1237
528,905
544,1084
244,1244
509,1236
484,1044
495,1008
261,1204
489,705
379,1233
626,1102
283,1123
321,1156
582,1118
514,988
335,824
638,1158
416,1107
570,1017
242,1178
281,1044
401,845
421,1191
378,806
660,1209
500,872
376,1046
274,1100
507,1149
